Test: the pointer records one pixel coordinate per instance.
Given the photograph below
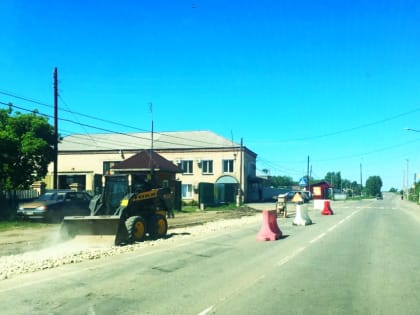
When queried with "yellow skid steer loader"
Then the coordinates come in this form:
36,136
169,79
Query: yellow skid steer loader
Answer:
139,214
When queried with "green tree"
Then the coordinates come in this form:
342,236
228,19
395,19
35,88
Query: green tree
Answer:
346,184
373,185
26,149
334,178
357,190
280,181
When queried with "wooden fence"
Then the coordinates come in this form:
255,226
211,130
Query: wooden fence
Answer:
21,195
9,201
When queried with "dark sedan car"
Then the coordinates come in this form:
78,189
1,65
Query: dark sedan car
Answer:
53,206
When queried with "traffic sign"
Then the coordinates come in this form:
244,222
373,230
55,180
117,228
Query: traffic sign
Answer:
303,182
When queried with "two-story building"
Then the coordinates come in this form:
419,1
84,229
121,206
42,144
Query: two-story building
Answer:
209,162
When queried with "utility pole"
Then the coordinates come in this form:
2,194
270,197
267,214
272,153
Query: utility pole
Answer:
406,184
361,180
239,195
55,175
241,171
307,175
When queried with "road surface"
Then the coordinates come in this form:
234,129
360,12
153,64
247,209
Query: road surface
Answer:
364,259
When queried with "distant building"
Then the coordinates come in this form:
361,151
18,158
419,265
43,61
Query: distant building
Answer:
208,162
320,190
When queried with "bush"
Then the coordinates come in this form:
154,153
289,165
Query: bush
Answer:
8,208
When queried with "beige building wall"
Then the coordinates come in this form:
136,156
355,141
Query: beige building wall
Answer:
89,164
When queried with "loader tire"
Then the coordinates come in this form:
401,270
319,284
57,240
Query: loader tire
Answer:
136,229
161,227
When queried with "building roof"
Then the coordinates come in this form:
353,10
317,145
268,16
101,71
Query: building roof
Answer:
147,160
321,183
142,141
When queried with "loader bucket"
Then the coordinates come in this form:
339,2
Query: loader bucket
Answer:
110,225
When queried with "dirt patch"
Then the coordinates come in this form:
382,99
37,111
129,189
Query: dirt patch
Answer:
200,217
18,241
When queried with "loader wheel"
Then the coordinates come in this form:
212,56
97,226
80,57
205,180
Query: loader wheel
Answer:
136,229
161,227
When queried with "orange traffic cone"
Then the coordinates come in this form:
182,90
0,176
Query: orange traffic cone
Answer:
269,229
327,209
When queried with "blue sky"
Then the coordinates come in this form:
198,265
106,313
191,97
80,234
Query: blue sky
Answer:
333,80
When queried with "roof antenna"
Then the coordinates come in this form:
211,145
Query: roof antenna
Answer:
233,145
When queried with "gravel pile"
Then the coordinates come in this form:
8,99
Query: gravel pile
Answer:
75,251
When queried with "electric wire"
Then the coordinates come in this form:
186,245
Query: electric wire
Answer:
381,121
288,140
113,131
101,119
271,164
75,117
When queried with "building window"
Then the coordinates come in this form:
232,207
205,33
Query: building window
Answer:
187,190
187,166
207,166
227,166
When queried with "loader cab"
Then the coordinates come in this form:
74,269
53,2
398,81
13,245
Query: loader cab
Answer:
114,188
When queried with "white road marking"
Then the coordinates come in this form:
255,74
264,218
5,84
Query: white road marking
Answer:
341,221
282,262
226,298
318,237
332,228
206,311
289,257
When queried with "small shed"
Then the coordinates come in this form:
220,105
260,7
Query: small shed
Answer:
146,163
320,190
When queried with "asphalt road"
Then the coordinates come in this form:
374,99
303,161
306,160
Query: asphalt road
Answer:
364,259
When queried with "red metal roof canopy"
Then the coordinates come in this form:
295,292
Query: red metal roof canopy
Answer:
147,160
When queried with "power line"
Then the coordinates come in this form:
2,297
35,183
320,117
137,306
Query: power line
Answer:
278,168
75,117
113,131
271,164
68,110
98,146
369,152
97,118
25,98
198,141
357,127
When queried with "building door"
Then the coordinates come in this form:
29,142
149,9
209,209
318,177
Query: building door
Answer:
64,181
206,193
226,189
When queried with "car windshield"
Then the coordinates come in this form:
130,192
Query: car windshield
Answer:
61,196
47,197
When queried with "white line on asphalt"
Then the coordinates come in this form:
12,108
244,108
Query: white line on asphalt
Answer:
206,311
239,289
332,228
318,237
289,257
342,221
280,263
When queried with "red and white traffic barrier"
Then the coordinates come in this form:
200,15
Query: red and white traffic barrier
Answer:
327,208
302,216
269,229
